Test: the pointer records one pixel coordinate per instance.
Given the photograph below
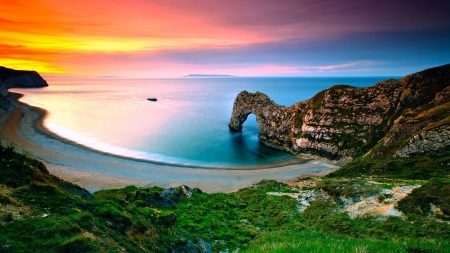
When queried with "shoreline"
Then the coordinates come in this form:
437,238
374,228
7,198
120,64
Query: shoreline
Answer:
39,127
95,170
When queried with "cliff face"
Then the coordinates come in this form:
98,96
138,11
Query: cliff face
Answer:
21,78
404,117
3,90
10,78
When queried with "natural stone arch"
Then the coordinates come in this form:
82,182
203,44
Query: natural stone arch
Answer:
349,121
245,104
273,120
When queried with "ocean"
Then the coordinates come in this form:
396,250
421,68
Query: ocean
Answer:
187,126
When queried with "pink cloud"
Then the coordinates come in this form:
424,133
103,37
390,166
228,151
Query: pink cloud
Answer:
341,67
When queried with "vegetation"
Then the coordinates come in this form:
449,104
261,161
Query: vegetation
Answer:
39,212
435,192
310,241
418,167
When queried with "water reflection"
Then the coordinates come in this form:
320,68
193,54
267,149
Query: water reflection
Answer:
187,125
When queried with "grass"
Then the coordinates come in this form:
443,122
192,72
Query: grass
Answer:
435,192
10,160
252,221
308,241
41,213
348,188
422,167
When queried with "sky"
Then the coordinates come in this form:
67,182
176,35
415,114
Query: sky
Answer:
172,38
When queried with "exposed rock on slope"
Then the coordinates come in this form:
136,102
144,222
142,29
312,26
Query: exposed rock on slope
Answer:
349,121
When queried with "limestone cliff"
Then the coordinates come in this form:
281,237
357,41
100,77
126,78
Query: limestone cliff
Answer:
401,117
10,78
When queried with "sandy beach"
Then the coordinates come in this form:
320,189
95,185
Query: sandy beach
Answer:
95,170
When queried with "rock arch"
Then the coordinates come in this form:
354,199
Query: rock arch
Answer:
273,120
245,104
403,116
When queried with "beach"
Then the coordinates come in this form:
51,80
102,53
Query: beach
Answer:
95,170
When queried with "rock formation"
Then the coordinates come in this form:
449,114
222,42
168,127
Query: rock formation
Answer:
435,141
3,90
10,78
349,121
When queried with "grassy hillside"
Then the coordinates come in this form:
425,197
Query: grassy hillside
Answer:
41,213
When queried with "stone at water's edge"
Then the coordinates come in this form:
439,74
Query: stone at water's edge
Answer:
347,121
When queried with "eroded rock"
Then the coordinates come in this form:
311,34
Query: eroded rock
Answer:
348,121
21,78
10,78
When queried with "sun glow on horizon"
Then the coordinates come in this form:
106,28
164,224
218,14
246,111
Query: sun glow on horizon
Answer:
39,66
154,38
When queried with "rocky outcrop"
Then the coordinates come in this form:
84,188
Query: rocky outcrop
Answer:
5,105
21,78
10,78
274,121
433,142
349,121
3,90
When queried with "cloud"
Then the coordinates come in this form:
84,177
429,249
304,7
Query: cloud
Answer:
287,37
342,66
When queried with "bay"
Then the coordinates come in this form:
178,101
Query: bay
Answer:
188,125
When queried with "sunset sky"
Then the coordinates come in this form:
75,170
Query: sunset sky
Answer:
170,38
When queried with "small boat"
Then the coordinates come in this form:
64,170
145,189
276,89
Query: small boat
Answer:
152,99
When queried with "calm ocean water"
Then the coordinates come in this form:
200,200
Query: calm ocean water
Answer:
188,125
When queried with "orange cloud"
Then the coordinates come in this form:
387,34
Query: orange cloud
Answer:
67,28
52,36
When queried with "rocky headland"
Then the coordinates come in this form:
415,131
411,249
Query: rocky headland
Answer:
11,78
400,118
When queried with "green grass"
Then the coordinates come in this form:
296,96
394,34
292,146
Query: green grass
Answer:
247,218
51,215
421,167
307,241
41,213
435,192
20,168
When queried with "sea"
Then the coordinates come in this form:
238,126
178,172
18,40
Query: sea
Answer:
186,126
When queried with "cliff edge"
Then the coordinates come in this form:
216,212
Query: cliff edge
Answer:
11,78
398,118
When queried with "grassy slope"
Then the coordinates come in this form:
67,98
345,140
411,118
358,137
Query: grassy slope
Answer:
39,212
419,167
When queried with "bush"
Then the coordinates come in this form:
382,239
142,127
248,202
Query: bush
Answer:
436,191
